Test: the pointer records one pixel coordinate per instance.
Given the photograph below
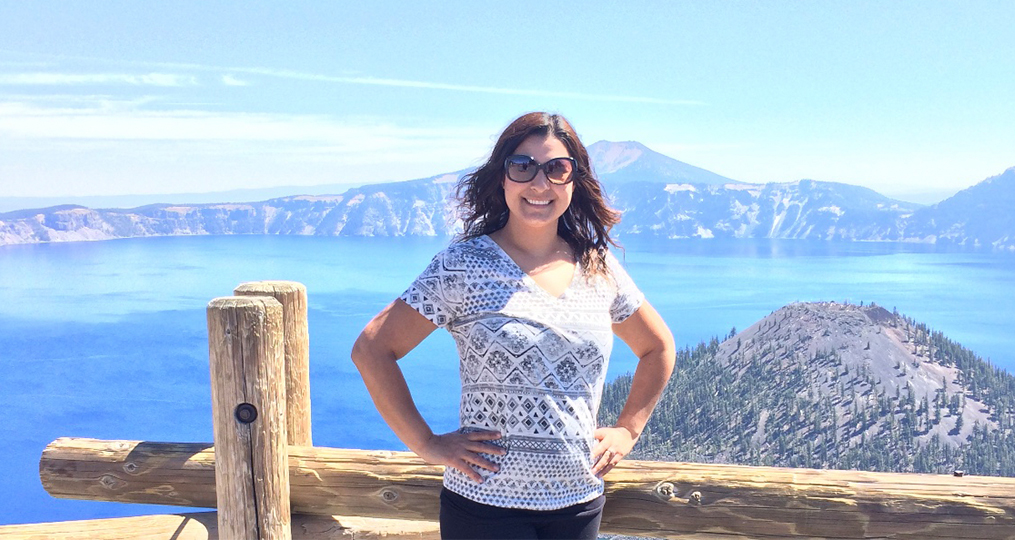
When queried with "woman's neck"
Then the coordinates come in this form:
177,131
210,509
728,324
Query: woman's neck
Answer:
540,243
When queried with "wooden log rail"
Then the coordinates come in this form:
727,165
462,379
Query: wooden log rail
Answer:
204,526
656,499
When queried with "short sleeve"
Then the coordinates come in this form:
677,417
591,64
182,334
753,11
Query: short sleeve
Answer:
629,298
435,294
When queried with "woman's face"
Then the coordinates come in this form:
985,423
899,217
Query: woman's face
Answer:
538,203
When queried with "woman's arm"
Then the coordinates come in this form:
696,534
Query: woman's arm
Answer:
389,336
650,339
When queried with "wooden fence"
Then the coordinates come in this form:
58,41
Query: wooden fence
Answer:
268,481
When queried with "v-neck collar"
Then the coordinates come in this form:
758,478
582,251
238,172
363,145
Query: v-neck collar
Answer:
529,280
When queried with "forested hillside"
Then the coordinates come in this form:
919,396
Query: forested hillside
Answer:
832,385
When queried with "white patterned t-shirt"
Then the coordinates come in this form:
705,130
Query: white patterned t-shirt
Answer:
532,367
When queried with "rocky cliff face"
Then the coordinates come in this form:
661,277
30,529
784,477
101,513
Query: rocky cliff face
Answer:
417,208
799,210
639,183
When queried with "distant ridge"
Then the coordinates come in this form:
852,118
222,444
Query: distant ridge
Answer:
975,214
8,204
831,385
658,196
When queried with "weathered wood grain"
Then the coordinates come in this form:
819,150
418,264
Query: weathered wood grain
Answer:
670,500
293,297
248,379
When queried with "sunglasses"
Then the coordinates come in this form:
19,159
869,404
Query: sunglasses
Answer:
523,169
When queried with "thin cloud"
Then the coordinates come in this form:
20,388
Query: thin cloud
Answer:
17,64
229,80
111,120
118,143
403,83
57,79
398,83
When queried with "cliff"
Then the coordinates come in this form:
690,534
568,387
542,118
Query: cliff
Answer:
662,198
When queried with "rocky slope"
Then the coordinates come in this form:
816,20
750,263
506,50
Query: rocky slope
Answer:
834,385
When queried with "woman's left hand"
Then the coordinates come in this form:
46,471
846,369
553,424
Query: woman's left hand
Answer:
612,445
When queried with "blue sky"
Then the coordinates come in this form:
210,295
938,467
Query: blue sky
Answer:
910,98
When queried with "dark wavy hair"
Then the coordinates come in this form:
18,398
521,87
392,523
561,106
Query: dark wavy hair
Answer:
586,223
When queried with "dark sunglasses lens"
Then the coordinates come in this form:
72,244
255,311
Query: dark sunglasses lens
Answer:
520,168
559,170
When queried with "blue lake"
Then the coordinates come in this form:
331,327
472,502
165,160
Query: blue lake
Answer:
108,339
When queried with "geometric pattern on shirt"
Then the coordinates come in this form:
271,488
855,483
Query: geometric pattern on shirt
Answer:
532,366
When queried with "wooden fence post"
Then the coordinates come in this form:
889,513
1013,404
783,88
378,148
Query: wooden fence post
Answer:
248,397
293,297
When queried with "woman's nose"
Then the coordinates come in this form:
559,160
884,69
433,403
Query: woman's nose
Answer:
541,181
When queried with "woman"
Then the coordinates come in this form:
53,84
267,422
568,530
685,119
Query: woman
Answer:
532,296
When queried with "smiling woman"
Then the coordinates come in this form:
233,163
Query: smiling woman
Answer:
532,296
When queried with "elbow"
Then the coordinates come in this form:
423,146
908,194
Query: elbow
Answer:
661,356
670,359
671,348
664,344
666,351
361,352
368,352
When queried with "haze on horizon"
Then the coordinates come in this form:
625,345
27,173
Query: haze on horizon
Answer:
909,98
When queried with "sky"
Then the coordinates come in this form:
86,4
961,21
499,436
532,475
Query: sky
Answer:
910,98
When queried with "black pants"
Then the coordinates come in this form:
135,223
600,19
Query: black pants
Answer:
464,519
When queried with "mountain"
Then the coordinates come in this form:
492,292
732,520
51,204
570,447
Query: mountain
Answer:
974,216
618,163
800,210
8,204
829,385
413,208
639,182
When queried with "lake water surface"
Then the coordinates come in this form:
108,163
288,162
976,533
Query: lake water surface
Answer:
109,340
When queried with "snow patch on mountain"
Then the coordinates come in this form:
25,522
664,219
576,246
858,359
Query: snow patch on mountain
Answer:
674,188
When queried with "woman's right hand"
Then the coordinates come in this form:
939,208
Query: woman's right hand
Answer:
461,451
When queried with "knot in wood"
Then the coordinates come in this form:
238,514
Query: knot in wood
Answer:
130,467
665,490
695,498
109,481
389,495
